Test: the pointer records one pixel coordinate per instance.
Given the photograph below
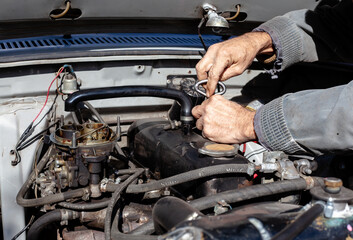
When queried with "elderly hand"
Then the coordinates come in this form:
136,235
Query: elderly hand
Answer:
230,58
224,121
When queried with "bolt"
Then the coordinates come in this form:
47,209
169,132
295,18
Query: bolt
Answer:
166,192
329,208
308,171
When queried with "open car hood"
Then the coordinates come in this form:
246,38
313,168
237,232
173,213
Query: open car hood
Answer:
182,9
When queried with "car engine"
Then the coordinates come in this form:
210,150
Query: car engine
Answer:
96,176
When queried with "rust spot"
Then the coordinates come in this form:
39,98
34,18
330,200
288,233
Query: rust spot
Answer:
245,184
320,224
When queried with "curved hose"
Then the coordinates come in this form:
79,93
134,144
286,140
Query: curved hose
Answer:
133,91
94,111
63,13
235,15
84,206
292,230
58,197
180,211
188,176
49,218
256,191
54,198
115,198
74,118
145,229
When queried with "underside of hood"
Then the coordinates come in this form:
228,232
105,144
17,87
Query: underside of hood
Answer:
257,10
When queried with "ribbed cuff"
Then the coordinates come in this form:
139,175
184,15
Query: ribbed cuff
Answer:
286,39
271,128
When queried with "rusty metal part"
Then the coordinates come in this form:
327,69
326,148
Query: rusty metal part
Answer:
313,181
333,185
345,195
333,182
135,215
94,219
95,191
88,134
83,235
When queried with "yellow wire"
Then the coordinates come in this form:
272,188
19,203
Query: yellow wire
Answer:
236,15
68,4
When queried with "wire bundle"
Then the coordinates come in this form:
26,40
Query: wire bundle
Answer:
24,142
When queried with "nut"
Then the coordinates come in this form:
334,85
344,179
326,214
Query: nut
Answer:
333,182
332,185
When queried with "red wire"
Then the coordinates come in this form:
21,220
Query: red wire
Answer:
46,100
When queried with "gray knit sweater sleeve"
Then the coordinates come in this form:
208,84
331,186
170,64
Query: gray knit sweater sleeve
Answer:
312,121
291,39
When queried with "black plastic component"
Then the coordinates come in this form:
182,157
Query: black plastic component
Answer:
170,152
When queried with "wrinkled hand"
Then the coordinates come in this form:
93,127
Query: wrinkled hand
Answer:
230,58
224,121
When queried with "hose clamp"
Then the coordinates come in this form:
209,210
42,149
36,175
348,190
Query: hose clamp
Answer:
222,88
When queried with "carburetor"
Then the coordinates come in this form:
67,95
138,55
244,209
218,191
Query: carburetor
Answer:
80,153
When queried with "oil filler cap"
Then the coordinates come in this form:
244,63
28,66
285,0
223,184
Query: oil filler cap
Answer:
219,150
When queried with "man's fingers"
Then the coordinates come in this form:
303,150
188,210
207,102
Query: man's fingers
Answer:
232,71
202,69
197,111
205,64
215,75
199,124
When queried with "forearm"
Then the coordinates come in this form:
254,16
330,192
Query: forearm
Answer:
290,42
315,121
324,34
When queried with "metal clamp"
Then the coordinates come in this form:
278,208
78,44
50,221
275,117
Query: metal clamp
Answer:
199,84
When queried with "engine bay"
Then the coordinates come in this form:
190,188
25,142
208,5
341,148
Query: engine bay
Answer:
97,175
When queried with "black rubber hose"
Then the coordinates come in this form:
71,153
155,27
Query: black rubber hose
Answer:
54,198
32,177
292,230
256,191
170,211
49,218
145,229
188,176
114,199
58,197
84,206
133,91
